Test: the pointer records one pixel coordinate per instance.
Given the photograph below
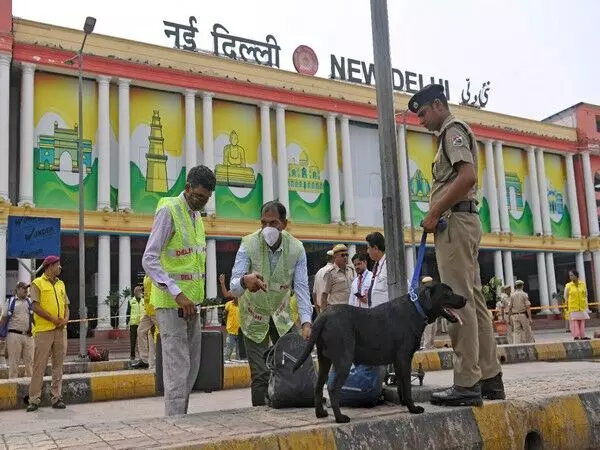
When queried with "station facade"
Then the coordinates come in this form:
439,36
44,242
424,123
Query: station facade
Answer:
151,112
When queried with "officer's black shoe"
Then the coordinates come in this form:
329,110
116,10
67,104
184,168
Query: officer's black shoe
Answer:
458,396
139,365
59,404
493,388
32,407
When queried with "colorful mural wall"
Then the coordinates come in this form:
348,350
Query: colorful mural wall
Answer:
306,137
237,146
55,158
518,194
157,125
556,174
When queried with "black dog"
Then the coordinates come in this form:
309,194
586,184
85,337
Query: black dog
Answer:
389,333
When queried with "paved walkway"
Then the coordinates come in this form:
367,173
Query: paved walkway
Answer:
224,414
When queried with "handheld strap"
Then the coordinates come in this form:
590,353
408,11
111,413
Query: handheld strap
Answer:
415,278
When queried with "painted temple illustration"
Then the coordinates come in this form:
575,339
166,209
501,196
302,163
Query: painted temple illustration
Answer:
514,192
156,169
304,176
419,187
64,140
234,171
556,202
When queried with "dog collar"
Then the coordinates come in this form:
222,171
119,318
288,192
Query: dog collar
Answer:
420,308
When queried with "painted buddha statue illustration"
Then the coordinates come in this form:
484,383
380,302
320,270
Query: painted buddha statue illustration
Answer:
233,170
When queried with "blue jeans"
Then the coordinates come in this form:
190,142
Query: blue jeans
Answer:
231,344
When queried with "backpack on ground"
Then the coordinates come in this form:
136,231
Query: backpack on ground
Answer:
289,389
362,388
11,311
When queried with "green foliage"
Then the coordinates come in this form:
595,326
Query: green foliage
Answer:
490,291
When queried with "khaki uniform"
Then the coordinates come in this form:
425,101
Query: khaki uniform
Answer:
319,283
456,251
338,283
517,311
19,342
505,299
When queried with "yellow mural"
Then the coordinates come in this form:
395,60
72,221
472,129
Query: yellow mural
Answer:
481,169
421,152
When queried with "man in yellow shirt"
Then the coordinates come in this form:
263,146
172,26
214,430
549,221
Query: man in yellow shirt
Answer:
233,326
50,316
148,321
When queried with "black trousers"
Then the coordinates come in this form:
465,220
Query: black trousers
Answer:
132,339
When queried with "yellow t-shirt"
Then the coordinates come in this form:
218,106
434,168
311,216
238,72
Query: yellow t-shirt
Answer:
233,317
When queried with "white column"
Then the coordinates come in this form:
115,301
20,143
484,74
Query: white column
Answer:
594,296
103,282
23,273
103,142
347,168
124,275
26,154
543,190
580,266
590,194
404,179
498,270
190,129
124,150
508,268
265,151
351,252
282,159
334,177
4,130
501,182
410,261
3,265
572,196
209,151
211,279
542,280
492,189
535,192
551,279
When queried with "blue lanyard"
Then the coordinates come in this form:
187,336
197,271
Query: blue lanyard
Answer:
414,284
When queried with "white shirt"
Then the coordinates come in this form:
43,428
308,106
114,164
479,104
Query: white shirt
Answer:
379,294
364,289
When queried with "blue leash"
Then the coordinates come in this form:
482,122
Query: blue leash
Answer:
414,284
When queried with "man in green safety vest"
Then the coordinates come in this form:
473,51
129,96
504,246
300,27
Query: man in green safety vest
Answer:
134,314
175,261
267,263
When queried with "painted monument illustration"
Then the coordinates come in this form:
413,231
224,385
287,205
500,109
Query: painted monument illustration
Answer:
156,169
304,176
556,202
419,187
234,171
64,140
514,192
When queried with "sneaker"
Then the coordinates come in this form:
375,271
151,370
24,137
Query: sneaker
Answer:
458,396
493,388
59,404
139,365
32,407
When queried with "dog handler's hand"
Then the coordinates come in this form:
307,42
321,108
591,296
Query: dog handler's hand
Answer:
430,222
189,309
306,330
254,282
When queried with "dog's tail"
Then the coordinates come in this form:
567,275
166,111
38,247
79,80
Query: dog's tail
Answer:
314,335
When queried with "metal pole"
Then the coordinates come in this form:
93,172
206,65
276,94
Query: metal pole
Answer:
392,206
82,304
412,225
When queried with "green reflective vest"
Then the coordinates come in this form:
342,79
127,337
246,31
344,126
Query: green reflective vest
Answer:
257,308
184,256
135,313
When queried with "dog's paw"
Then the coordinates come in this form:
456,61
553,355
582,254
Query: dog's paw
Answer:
321,413
342,418
416,409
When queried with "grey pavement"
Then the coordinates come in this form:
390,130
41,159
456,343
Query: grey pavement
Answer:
139,423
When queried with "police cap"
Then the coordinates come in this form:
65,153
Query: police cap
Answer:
519,283
426,96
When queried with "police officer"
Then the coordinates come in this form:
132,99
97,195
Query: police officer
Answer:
504,300
477,372
519,311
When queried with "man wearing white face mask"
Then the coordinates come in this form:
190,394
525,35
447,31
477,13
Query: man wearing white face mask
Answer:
266,264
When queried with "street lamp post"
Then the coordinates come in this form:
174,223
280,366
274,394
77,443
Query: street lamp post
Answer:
88,28
388,154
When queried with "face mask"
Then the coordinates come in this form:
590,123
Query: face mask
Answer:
271,235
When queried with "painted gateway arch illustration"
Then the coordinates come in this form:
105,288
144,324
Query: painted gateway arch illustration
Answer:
63,140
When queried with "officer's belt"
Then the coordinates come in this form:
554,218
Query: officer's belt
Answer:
515,314
467,206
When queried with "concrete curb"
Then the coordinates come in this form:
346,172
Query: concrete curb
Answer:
78,367
563,422
103,383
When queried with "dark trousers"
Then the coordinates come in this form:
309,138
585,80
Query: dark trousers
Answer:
258,367
132,339
241,346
